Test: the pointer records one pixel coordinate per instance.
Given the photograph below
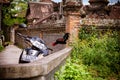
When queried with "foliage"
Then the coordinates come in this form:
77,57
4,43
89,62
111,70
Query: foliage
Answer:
95,53
1,48
73,71
100,51
11,16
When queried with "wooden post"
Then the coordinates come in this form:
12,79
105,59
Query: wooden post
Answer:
0,23
12,33
0,15
41,34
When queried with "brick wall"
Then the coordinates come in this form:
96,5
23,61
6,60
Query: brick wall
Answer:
101,23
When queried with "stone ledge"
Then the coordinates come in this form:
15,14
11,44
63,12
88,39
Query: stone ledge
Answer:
39,68
100,22
20,70
52,61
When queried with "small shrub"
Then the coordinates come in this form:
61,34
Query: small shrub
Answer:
73,71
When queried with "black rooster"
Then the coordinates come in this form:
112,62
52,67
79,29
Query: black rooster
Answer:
62,40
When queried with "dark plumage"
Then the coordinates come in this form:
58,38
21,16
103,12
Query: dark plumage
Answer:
61,40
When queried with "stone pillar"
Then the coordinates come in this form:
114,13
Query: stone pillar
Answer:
98,9
0,15
0,24
72,15
72,24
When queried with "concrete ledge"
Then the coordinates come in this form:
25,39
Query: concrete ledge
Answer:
39,68
20,71
52,61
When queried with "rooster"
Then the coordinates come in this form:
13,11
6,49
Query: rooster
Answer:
61,40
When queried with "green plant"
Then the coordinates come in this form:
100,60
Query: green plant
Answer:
96,54
73,71
10,13
1,48
101,51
